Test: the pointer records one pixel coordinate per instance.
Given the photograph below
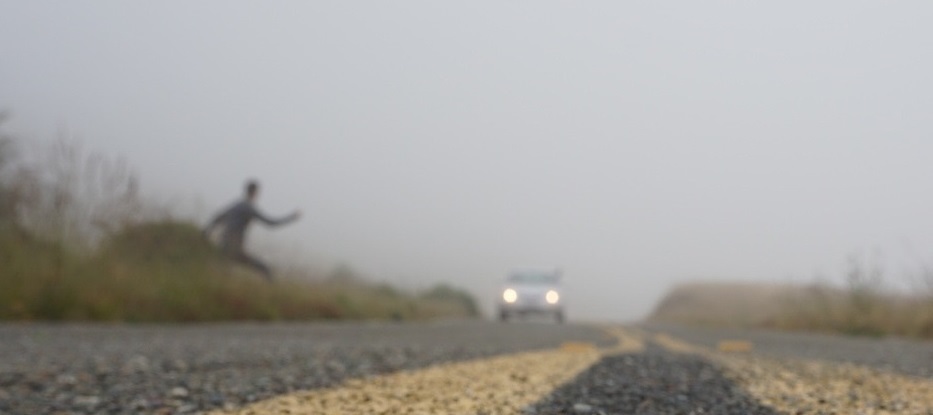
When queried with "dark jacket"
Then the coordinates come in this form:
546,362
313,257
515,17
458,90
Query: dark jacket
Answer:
235,220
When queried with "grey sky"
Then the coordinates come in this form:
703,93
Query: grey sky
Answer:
635,144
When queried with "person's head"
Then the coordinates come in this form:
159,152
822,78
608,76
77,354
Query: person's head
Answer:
252,189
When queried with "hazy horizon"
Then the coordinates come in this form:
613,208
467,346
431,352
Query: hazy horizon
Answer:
634,145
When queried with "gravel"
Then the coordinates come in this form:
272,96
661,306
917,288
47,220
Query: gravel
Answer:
91,369
99,369
653,382
812,386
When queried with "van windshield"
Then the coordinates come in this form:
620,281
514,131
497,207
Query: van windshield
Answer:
534,278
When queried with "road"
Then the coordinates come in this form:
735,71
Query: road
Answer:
459,367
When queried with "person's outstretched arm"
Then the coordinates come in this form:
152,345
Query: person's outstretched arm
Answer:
276,222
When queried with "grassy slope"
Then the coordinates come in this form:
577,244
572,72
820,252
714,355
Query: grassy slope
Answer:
167,272
723,303
817,308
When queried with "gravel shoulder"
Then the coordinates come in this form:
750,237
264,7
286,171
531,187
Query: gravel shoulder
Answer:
84,369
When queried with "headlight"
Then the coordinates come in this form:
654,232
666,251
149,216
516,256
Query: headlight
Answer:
552,297
509,295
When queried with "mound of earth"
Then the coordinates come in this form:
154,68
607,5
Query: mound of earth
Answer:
171,241
724,303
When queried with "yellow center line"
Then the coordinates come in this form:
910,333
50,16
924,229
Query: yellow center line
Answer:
802,386
628,341
676,345
498,385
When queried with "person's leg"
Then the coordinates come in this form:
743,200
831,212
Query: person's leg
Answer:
233,248
228,254
255,264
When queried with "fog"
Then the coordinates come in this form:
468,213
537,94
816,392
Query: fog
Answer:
633,144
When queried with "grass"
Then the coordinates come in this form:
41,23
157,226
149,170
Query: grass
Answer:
856,312
77,242
731,304
165,271
862,307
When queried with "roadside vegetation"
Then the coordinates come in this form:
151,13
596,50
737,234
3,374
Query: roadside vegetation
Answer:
731,304
77,242
863,305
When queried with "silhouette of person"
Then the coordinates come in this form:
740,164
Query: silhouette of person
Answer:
235,220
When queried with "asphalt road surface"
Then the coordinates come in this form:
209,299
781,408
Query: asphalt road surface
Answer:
456,367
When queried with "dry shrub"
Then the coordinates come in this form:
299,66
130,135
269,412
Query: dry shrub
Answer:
730,304
863,306
77,242
74,197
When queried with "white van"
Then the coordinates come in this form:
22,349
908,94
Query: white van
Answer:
531,292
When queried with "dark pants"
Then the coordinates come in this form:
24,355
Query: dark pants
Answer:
235,252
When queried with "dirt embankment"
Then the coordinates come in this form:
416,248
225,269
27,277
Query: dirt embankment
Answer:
723,303
854,309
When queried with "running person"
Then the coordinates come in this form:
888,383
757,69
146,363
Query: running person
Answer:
235,220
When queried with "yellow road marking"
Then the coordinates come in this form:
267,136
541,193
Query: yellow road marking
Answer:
735,346
628,341
498,385
507,384
577,347
676,345
814,387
